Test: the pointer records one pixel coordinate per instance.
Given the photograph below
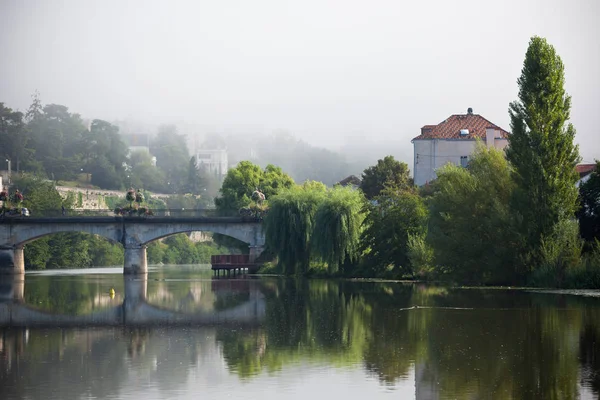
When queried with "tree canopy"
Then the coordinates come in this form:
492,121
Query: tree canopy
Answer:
245,178
387,173
471,225
589,211
541,148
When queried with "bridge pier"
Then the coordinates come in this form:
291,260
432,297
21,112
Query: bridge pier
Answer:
136,261
12,260
255,251
12,288
136,290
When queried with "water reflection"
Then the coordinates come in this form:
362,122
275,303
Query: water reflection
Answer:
433,342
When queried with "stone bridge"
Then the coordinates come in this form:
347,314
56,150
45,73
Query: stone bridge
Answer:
134,233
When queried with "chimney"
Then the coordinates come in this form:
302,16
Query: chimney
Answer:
469,111
490,135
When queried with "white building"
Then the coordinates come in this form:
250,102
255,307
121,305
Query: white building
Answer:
215,161
453,141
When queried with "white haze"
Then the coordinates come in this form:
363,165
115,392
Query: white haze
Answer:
328,72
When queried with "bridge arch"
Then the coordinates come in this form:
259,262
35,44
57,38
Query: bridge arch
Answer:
133,233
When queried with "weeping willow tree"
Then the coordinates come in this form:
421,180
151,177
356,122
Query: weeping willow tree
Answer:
337,227
289,224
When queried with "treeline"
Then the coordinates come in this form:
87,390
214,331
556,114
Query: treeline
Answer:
516,218
299,159
52,142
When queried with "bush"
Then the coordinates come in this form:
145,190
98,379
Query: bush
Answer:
560,253
421,256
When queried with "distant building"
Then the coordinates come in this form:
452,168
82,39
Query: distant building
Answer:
584,171
453,141
353,181
214,161
138,142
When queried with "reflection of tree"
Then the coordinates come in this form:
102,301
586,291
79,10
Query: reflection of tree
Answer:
314,321
391,352
460,343
504,352
65,295
589,350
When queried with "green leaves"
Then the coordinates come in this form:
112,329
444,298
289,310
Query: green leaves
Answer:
589,211
471,225
388,173
337,227
289,225
244,179
391,220
541,148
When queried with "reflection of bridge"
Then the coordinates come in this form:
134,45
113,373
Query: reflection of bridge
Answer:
134,233
135,310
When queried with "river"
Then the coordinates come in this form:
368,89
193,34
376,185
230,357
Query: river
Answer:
182,334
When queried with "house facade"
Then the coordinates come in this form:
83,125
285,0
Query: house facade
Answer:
453,141
214,160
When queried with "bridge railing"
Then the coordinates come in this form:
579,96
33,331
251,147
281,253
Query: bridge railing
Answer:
174,213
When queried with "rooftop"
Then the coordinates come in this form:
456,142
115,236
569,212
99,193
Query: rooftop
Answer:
585,169
451,128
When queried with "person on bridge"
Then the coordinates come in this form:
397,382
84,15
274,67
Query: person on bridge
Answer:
63,209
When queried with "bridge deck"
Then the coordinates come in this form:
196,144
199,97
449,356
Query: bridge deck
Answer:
232,262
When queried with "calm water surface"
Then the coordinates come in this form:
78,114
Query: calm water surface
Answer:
182,334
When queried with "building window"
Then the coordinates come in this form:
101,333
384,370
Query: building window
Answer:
464,161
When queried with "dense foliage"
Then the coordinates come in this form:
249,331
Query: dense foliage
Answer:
52,142
241,181
392,219
289,225
337,228
388,173
179,249
541,149
471,226
589,211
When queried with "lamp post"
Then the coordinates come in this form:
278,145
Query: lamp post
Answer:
9,169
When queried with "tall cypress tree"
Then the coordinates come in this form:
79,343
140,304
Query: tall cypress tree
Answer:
541,147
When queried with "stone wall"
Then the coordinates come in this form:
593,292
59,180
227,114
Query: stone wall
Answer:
94,199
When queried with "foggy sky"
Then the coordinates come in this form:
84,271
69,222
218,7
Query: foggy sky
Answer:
322,70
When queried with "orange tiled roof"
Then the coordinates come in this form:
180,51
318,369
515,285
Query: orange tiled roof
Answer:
585,169
451,127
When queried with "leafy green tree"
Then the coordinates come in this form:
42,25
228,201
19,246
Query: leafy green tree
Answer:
273,180
55,136
145,175
194,180
245,178
541,148
396,215
172,156
337,228
589,211
471,227
289,225
13,136
238,185
104,140
40,195
105,175
104,154
388,173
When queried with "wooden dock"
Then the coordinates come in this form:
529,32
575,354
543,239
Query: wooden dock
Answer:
232,264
